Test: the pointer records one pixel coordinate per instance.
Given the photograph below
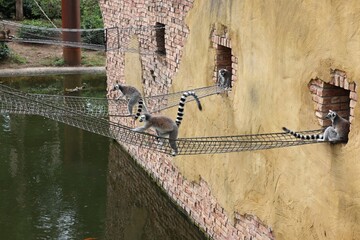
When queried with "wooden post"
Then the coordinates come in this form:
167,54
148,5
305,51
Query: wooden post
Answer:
71,19
19,10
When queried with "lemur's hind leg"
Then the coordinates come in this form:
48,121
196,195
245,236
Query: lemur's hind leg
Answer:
133,100
172,139
329,134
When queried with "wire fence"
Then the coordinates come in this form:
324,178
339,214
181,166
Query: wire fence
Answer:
100,39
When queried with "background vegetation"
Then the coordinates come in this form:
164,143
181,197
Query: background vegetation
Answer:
91,18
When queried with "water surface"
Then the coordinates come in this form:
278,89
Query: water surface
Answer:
60,182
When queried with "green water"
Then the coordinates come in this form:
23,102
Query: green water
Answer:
59,182
50,188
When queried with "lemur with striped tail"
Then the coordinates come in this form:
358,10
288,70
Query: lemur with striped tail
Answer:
224,78
165,126
337,132
133,96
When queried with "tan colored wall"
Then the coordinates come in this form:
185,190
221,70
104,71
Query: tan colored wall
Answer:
306,192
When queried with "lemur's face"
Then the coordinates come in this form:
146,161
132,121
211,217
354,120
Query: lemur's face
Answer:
331,115
116,87
222,72
142,118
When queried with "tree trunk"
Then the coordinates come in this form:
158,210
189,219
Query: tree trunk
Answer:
19,10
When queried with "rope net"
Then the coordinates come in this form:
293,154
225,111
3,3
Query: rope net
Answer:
100,39
16,102
99,107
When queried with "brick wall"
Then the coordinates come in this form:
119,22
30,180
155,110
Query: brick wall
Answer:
196,199
129,189
224,57
139,18
339,95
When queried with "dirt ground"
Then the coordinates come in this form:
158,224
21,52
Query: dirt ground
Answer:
41,55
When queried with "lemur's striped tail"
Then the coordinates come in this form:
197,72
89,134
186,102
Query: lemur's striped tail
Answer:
302,136
180,113
141,106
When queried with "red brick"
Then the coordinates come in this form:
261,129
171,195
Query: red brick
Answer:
321,115
336,80
317,99
353,103
332,92
353,96
313,88
317,82
352,86
342,80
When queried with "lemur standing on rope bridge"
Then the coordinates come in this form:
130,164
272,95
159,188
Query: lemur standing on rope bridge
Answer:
338,132
133,96
165,126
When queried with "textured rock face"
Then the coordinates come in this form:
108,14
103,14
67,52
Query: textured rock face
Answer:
307,192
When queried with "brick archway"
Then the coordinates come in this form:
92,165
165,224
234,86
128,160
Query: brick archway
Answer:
224,57
339,95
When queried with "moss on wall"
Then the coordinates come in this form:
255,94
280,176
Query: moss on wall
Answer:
306,192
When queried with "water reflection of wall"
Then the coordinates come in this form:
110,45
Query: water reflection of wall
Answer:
136,207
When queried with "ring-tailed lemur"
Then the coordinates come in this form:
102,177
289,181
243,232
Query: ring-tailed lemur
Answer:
133,96
180,112
165,126
338,132
224,78
5,34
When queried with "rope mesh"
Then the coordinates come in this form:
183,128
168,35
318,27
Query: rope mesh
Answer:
100,39
16,102
99,107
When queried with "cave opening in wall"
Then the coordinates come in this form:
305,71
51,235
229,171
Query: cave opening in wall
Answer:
338,95
223,58
224,61
160,38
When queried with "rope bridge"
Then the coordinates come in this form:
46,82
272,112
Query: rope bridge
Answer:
99,107
17,102
100,39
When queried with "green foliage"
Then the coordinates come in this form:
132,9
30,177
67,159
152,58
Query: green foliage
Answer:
91,18
52,8
7,8
7,55
92,60
31,10
15,58
58,62
4,51
36,33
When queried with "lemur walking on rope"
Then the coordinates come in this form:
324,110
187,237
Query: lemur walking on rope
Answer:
165,126
133,96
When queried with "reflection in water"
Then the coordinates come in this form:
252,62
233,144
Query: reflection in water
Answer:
46,193
137,209
6,125
55,182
